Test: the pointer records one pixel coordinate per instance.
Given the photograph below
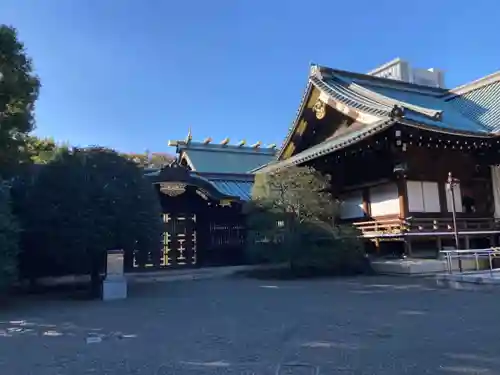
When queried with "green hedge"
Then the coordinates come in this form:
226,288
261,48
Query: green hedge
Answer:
9,241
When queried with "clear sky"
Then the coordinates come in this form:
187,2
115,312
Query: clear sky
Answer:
132,74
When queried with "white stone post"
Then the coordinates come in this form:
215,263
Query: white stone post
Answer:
114,285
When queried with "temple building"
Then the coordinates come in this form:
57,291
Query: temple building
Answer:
393,144
202,193
406,156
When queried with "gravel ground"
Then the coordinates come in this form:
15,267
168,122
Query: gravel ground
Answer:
369,325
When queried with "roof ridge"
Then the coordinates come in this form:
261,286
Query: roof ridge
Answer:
472,86
382,80
385,100
235,150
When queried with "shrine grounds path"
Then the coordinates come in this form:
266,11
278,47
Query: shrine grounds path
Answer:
367,325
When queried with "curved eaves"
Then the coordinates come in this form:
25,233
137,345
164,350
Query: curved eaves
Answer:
388,102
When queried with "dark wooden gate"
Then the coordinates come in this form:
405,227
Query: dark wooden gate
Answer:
203,226
179,240
178,243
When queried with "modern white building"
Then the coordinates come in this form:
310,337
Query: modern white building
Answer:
401,70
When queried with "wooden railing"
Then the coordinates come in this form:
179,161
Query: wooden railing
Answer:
446,224
425,226
374,228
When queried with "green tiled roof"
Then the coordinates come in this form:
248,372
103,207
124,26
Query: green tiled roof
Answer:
470,110
224,158
231,184
480,101
379,96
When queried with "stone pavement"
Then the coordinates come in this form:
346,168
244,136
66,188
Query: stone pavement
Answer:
366,325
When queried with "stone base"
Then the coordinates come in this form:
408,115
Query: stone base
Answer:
113,289
470,281
408,266
415,266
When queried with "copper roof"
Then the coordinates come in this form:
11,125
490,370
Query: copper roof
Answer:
470,110
224,157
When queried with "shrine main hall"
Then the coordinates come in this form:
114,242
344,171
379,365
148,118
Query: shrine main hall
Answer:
405,153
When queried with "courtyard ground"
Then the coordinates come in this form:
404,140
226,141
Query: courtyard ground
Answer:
366,325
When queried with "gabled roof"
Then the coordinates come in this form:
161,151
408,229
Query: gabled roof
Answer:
379,96
223,158
470,110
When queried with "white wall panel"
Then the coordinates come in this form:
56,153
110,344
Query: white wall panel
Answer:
415,196
384,200
431,196
423,196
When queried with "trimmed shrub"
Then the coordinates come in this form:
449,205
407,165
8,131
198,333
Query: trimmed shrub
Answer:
9,241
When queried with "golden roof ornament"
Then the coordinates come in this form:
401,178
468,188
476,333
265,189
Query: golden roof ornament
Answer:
242,143
207,140
256,144
319,109
225,141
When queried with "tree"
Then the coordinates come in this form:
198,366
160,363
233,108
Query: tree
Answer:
41,150
292,218
151,160
160,159
19,88
86,201
9,248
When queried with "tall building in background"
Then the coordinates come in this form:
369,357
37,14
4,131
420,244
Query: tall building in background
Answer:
401,70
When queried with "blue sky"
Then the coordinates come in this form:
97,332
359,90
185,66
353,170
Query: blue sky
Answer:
133,74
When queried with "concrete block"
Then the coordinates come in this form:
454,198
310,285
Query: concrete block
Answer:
114,288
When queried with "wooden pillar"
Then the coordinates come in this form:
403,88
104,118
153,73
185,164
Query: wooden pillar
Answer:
403,197
366,201
403,209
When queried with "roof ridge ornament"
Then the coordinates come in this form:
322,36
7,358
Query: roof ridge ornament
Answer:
314,70
397,112
225,141
438,116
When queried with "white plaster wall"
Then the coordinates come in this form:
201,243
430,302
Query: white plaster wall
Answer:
423,196
384,200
